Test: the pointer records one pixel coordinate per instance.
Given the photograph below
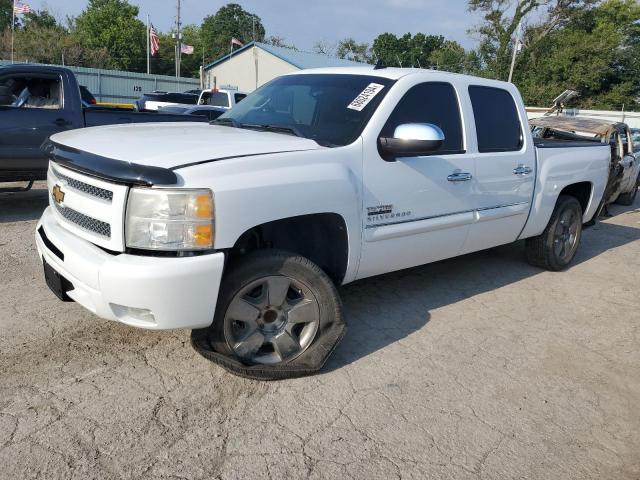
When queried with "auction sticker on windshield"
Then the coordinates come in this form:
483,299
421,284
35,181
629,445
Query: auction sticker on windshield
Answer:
365,96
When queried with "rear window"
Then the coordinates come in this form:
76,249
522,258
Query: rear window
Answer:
497,121
216,99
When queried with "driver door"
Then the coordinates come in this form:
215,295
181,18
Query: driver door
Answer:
24,128
418,209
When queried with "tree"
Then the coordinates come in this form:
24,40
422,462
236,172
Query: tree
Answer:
408,50
499,26
40,18
279,41
595,52
324,47
6,14
113,24
231,21
452,57
350,49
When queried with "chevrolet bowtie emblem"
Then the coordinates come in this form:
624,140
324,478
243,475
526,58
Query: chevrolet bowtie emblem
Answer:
57,194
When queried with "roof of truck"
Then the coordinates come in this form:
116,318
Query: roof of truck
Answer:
394,73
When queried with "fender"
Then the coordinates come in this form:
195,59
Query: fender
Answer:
283,185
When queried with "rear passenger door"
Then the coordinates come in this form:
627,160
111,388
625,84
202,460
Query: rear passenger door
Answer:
505,168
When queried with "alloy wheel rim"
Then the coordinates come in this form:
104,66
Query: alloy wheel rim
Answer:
565,237
273,319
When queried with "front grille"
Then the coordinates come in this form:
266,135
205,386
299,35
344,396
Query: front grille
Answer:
84,221
85,187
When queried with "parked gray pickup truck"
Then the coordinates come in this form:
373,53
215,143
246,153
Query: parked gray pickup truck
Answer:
37,101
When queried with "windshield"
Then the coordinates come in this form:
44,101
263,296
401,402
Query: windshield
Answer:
328,108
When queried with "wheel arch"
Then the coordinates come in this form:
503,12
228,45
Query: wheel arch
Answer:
581,191
323,238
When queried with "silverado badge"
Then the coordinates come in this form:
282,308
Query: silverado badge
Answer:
57,194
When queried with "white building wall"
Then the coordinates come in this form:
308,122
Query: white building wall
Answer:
248,70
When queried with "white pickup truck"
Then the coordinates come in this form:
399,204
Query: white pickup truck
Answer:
242,229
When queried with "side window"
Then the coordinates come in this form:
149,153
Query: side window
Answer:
497,121
239,96
30,92
435,103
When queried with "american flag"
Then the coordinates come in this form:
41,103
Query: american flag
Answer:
20,8
186,49
154,41
235,41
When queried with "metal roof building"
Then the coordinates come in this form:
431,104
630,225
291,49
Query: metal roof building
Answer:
256,63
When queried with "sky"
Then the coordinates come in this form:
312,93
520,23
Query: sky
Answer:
304,22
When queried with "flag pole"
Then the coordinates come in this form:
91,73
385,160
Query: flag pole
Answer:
13,25
148,42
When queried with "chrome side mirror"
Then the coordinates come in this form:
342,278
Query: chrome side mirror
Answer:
411,140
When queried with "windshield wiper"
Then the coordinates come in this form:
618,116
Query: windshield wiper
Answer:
272,128
229,122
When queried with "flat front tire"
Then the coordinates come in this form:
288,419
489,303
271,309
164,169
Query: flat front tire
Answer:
555,248
275,316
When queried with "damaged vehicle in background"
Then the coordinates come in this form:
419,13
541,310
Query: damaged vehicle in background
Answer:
624,170
243,229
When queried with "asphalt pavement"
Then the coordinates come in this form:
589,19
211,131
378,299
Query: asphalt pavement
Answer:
479,367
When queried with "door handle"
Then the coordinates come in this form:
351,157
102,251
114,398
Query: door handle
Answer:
459,177
522,170
60,121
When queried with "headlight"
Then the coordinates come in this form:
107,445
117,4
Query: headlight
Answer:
170,219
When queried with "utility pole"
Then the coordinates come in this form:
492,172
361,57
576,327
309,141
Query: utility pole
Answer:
148,42
13,25
178,41
516,47
513,61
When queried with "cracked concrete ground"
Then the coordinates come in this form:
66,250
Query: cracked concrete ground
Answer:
476,367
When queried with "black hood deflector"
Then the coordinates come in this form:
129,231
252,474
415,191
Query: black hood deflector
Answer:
117,171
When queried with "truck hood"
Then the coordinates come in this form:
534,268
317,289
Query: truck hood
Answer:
171,145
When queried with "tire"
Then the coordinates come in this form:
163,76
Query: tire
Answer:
555,248
278,316
628,198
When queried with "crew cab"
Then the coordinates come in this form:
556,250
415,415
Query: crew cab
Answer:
243,228
37,101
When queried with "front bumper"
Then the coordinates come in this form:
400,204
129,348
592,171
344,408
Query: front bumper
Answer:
147,292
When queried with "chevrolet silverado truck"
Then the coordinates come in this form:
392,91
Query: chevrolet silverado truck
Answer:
37,101
243,229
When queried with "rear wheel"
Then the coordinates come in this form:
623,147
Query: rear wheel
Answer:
555,248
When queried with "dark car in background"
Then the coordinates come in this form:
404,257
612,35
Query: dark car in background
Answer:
32,109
